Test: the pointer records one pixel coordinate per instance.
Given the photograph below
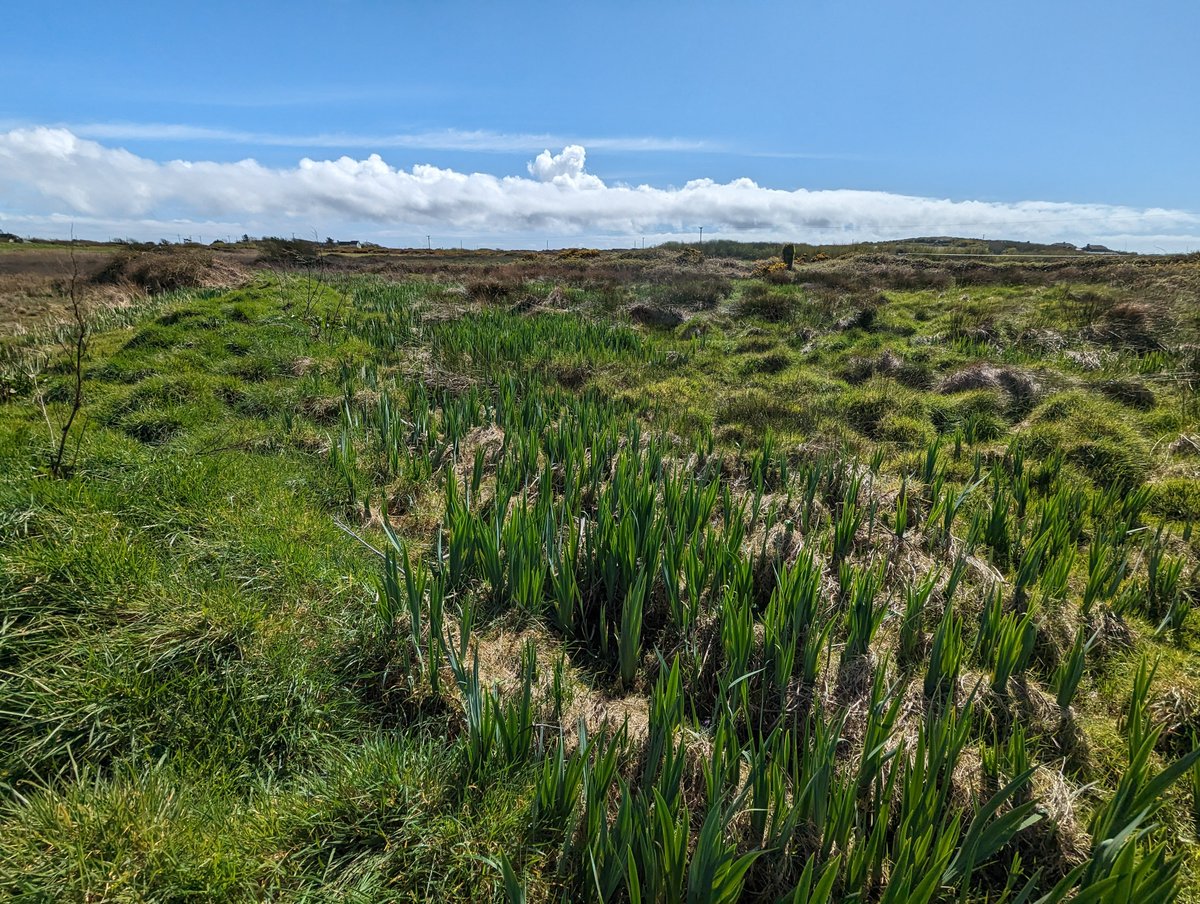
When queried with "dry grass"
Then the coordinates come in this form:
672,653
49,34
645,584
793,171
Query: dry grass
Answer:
167,269
33,286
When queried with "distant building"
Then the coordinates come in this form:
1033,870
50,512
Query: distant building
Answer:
1097,249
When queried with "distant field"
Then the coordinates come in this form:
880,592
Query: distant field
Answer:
620,576
31,271
32,282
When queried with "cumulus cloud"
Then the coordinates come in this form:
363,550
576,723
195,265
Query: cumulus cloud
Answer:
565,169
53,173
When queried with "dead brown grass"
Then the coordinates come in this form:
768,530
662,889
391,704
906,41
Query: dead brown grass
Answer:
167,269
33,286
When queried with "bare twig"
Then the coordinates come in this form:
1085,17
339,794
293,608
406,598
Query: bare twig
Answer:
77,353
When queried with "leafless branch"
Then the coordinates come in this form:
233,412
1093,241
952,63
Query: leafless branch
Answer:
78,350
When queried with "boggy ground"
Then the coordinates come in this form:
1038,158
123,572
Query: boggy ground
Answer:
599,577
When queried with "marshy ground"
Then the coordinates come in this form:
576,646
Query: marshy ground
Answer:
600,576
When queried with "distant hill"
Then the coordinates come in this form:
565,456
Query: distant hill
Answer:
920,245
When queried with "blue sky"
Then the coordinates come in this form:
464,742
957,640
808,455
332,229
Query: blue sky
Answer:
811,121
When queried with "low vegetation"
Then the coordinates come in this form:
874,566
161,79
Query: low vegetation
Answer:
479,579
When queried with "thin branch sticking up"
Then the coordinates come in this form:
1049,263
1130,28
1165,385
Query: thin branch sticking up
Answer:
78,350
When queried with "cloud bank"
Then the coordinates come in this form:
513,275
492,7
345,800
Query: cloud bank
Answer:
51,176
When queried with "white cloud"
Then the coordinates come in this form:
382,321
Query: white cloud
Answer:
50,174
565,169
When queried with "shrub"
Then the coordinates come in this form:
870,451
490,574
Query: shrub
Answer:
168,269
765,268
288,252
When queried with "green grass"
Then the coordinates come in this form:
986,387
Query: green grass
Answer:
654,617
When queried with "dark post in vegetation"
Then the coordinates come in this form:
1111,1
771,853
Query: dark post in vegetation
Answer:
78,347
789,255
